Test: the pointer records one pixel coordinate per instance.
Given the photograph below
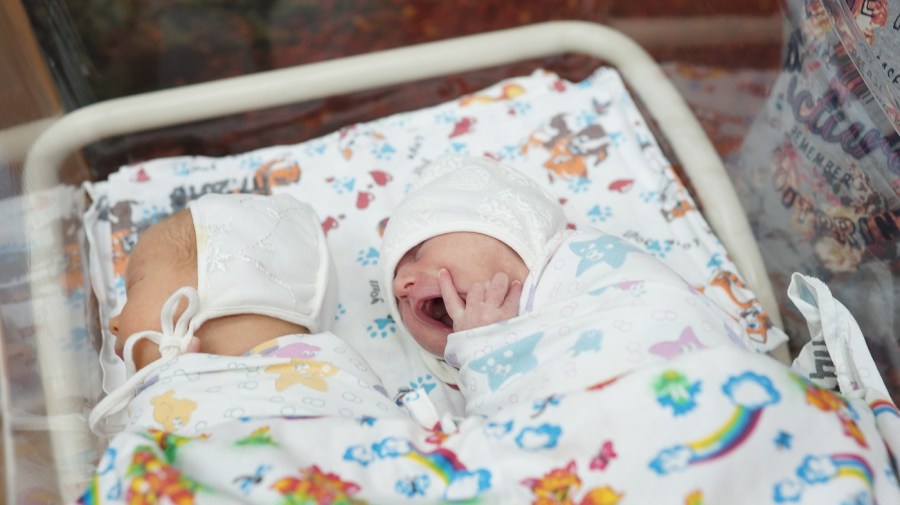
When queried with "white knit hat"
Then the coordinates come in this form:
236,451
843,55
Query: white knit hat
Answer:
263,255
466,194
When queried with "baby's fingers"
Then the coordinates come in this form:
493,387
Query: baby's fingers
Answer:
454,305
476,294
512,298
497,289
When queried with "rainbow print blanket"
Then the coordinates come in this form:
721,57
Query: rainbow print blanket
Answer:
714,426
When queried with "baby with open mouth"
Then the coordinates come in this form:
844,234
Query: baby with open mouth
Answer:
438,279
457,250
508,304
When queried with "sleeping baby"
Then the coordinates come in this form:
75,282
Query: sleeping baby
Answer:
227,312
511,306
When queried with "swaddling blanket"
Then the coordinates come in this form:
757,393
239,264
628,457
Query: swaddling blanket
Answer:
714,426
594,308
294,375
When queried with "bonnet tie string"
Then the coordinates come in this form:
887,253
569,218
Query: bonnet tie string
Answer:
174,340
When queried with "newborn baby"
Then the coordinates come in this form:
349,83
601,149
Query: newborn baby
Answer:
505,302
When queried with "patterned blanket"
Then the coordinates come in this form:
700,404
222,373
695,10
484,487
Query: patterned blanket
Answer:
714,426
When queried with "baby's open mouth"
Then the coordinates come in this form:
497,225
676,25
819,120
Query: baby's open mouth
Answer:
434,312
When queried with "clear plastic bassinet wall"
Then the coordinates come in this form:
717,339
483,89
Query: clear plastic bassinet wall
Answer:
819,171
810,142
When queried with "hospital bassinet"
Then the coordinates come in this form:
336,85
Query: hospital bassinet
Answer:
63,379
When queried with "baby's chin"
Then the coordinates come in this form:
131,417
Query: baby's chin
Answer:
434,341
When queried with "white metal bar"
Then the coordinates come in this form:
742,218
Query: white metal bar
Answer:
354,73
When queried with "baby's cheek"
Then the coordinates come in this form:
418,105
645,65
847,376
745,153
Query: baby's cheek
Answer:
145,352
120,346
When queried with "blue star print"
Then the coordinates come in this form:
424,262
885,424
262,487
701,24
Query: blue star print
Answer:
609,250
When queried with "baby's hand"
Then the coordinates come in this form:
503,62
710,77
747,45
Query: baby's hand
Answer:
486,302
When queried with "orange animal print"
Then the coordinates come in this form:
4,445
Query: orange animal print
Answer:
348,136
156,481
123,242
268,175
828,401
603,495
508,92
727,281
673,200
756,320
123,234
308,372
569,150
556,487
316,486
170,412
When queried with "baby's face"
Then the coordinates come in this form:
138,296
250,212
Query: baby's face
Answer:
154,272
470,258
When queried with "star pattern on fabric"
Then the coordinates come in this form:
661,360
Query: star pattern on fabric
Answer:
609,250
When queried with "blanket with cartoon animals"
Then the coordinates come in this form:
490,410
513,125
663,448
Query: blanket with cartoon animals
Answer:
595,308
294,375
719,425
619,383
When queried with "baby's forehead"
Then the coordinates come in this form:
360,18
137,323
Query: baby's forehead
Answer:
166,240
145,245
454,240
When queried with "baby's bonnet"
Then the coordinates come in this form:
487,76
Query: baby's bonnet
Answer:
263,255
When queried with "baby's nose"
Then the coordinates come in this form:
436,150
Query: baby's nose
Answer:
114,325
404,280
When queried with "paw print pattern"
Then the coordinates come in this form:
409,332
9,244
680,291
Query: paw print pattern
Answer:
341,310
383,151
446,117
382,327
342,185
715,262
423,382
511,152
600,214
460,147
659,249
251,162
617,138
184,169
151,214
517,108
367,257
315,149
648,196
585,119
579,184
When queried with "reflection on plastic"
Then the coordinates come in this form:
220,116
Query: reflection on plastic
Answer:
819,175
